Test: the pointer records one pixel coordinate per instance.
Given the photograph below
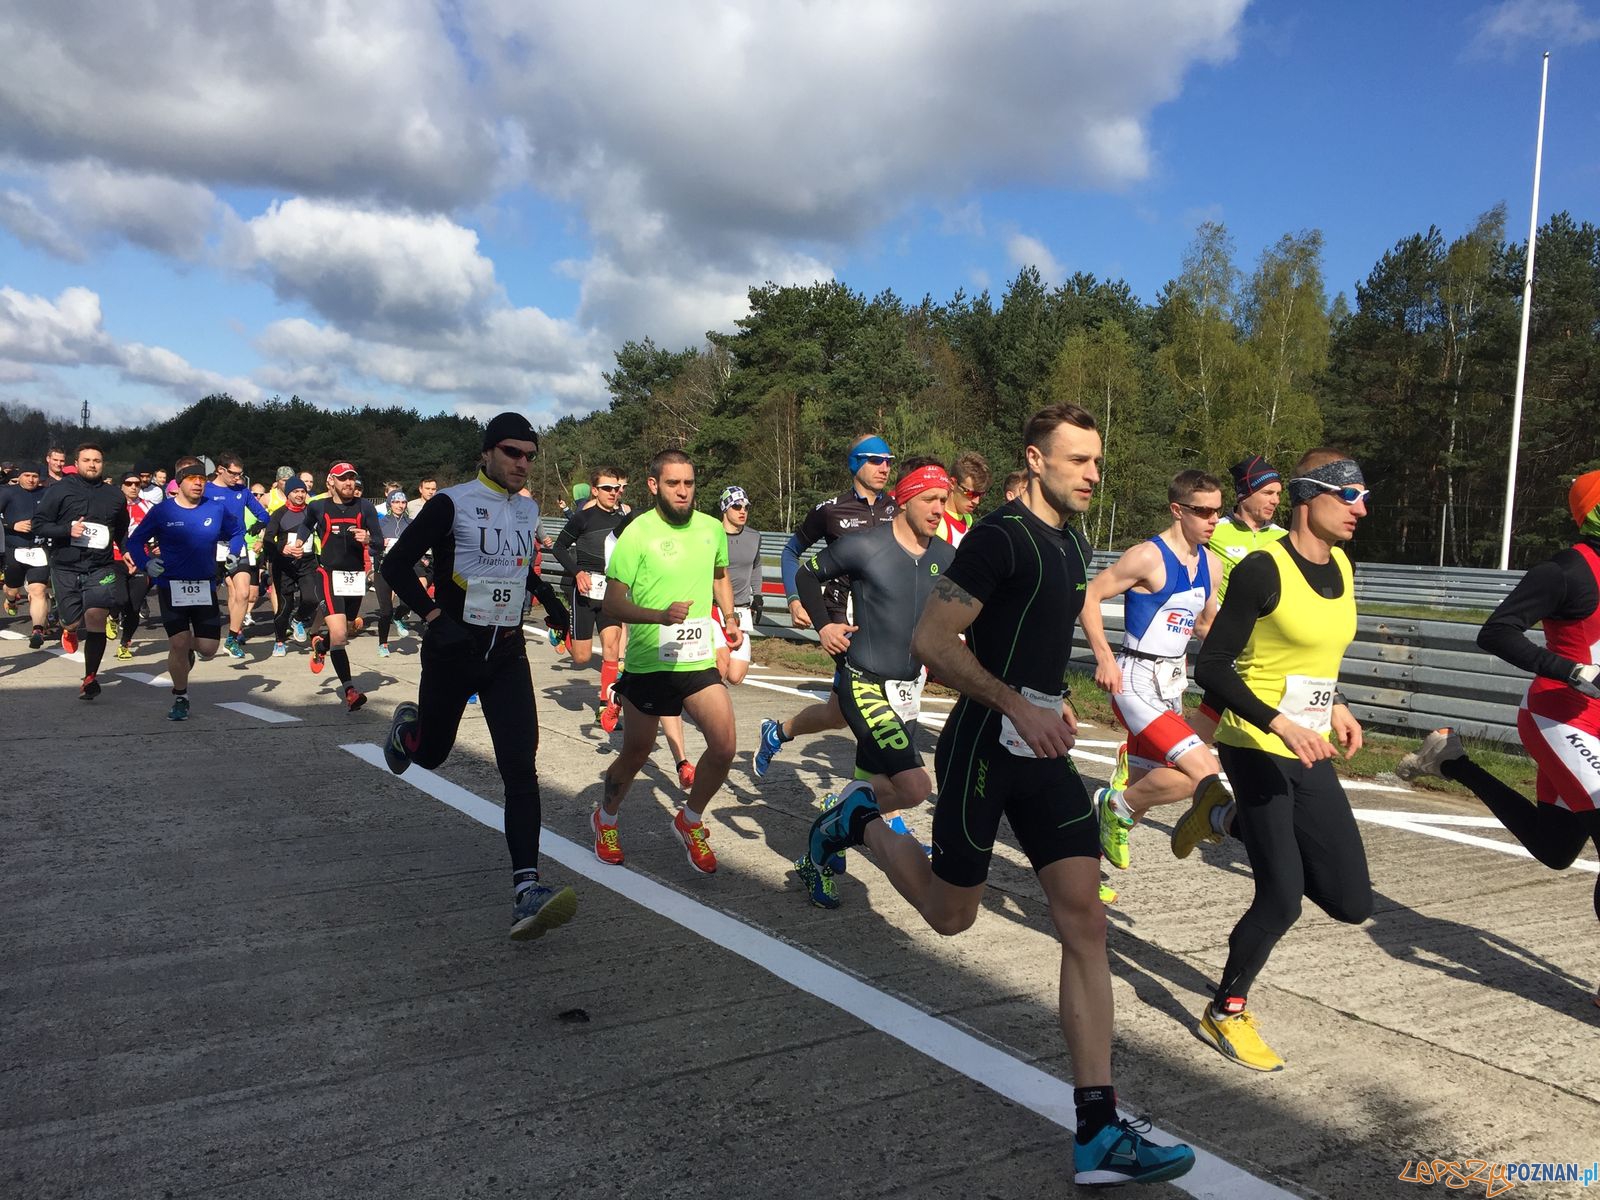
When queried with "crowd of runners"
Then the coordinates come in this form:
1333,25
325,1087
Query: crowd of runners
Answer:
902,581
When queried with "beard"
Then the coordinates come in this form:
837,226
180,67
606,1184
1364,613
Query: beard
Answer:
672,515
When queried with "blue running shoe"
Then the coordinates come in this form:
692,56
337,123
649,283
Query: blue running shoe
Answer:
1120,1153
179,710
383,650
232,646
472,699
400,629
898,824
835,865
830,833
771,742
299,631
540,909
819,884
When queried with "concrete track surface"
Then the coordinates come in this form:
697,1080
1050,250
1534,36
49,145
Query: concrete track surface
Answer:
241,959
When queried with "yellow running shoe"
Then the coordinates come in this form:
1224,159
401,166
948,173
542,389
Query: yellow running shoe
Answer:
1108,894
1237,1040
1119,777
1194,826
1113,830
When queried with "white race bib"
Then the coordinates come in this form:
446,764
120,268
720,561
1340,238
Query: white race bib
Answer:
349,583
905,697
597,586
250,556
1172,677
294,539
222,551
1308,701
494,602
388,544
690,642
744,618
94,536
33,556
1010,738
190,593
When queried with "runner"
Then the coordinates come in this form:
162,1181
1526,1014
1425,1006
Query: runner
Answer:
583,548
188,526
862,506
287,543
1257,489
1558,722
1016,483
744,572
970,474
27,568
668,565
891,570
1168,597
85,518
344,527
1289,616
138,584
55,465
1014,589
481,537
393,523
426,487
233,563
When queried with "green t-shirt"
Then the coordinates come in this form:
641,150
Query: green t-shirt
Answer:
1232,540
662,564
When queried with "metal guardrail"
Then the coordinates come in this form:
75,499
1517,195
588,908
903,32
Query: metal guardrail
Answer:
1401,675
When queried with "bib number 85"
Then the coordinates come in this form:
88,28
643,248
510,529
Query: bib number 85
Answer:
500,595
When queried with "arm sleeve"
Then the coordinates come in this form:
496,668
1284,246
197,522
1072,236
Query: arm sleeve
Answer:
565,541
254,506
273,533
430,528
822,566
1558,587
1252,593
235,528
799,542
47,521
982,562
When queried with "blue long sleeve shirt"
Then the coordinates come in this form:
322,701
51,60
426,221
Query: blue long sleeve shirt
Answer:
238,500
188,538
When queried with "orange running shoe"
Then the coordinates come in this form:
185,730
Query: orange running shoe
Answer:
609,716
319,654
69,641
606,846
696,841
686,775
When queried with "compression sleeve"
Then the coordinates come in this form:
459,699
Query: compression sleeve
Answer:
431,527
1561,587
565,541
254,506
1252,594
809,579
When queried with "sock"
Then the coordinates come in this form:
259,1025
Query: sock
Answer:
234,634
608,676
782,736
1097,1108
1222,818
682,763
341,664
858,824
1119,805
180,695
94,649
609,820
521,881
690,817
1227,1006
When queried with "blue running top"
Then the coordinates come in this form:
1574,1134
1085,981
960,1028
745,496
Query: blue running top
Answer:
1160,623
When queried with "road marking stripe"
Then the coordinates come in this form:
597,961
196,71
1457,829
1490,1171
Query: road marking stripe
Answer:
271,716
978,1060
1419,823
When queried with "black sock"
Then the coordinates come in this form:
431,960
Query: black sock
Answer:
341,664
858,824
1097,1108
94,649
522,880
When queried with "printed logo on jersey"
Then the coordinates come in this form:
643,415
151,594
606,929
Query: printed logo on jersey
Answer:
206,522
505,547
483,513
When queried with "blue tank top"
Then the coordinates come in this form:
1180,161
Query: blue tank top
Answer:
1161,623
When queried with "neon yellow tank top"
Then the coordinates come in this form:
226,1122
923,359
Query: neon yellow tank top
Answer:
1291,661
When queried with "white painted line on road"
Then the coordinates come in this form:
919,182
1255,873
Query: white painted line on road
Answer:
271,716
162,680
978,1060
1438,825
52,647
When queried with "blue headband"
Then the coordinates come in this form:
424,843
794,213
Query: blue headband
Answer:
871,448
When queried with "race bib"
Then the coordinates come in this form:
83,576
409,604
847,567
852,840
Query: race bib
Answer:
250,555
1308,701
905,697
294,539
94,536
190,593
1171,679
222,551
494,602
1010,738
33,556
349,583
388,544
744,619
690,642
597,586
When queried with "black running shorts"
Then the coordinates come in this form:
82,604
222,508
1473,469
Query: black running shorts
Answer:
662,693
885,744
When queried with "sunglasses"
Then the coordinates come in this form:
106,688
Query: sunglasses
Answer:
877,460
1204,511
257,494
1349,493
608,487
130,483
975,497
740,507
515,454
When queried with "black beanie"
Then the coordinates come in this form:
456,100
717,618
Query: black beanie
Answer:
512,426
1251,475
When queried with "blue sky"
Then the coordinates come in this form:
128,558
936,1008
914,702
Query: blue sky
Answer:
466,207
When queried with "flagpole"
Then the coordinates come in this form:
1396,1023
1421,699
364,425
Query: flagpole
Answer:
1522,345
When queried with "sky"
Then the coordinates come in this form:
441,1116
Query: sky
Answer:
469,205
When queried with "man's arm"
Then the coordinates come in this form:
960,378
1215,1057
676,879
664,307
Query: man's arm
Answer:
618,605
565,541
428,530
1202,623
1131,570
1559,586
722,593
48,521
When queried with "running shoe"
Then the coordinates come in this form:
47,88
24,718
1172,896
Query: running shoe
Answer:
124,652
818,883
1194,826
395,751
897,823
111,629
357,625
232,645
609,716
319,654
607,847
36,639
771,743
1120,1153
686,775
89,688
831,832
11,607
179,710
352,698
1113,830
540,909
1119,774
299,631
555,638
249,620
1108,894
472,699
696,841
1439,747
69,642
383,650
279,649
400,629
835,865
1237,1040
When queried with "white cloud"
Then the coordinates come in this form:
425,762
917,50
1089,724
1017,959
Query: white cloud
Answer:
1026,251
22,217
1508,26
161,214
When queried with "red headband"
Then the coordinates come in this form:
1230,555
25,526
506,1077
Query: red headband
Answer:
919,481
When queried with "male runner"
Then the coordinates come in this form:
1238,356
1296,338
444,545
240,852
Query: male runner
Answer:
151,491
892,570
287,544
481,537
86,519
188,526
744,572
583,548
1014,588
1015,484
1558,722
426,487
138,584
669,563
393,523
1289,616
27,559
55,465
229,486
862,506
344,526
970,475
1168,589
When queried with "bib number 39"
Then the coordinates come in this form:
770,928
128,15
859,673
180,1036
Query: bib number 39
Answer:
1308,701
690,642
